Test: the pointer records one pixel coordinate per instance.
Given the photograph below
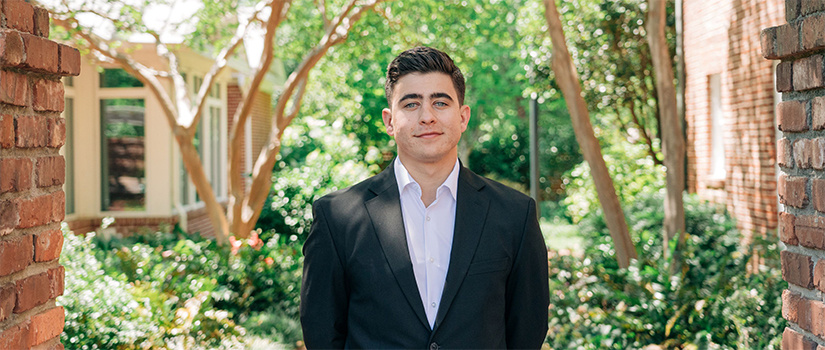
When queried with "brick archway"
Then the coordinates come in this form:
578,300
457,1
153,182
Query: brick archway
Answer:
32,172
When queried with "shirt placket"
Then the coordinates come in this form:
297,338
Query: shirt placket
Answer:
431,242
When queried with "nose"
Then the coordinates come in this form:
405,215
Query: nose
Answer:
427,116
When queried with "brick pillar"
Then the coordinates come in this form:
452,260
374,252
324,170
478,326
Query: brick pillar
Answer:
32,202
800,44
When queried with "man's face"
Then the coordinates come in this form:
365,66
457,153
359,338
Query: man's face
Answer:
426,119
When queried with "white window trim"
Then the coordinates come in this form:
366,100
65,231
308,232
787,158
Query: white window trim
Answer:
716,113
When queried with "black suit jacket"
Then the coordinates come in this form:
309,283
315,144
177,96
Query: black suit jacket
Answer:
359,289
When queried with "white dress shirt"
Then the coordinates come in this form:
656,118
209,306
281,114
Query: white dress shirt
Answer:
429,234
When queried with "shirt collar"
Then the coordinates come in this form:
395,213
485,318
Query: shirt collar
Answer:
403,178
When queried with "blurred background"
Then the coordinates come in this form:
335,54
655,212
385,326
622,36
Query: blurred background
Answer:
194,241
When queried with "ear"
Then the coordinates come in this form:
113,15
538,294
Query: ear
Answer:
386,115
464,113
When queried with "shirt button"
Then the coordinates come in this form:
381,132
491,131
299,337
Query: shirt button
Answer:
428,218
433,304
432,260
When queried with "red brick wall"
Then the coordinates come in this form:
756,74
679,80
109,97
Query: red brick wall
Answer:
800,44
233,99
123,226
722,37
32,202
261,121
198,221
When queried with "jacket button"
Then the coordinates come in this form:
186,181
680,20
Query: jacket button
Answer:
433,346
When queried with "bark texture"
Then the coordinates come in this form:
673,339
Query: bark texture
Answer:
673,141
568,81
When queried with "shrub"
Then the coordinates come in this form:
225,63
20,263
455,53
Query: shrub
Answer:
170,289
101,310
217,287
713,302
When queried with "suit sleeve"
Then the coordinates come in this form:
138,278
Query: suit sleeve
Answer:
324,298
527,292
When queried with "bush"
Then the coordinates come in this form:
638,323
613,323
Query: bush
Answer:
218,286
713,302
169,289
101,310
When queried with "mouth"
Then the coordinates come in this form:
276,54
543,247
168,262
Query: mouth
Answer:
429,135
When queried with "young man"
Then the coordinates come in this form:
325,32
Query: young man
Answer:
426,254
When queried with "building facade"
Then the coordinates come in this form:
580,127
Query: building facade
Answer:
121,157
730,108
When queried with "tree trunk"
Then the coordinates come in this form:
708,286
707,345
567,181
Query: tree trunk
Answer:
191,160
568,81
673,143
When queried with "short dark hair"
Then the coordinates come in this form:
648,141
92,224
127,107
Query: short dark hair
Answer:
423,59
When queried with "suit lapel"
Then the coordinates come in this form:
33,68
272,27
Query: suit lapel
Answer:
385,213
470,215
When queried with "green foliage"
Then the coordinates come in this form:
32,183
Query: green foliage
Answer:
118,78
608,44
713,302
502,149
204,289
316,158
483,39
102,311
168,289
632,169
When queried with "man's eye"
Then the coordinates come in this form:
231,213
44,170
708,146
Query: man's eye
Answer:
411,105
440,104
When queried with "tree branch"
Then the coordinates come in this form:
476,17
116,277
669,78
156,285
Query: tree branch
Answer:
278,11
261,177
296,103
644,132
181,95
220,63
146,75
322,7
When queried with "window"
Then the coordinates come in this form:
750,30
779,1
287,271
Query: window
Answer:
196,85
215,91
123,157
68,149
184,187
717,139
118,78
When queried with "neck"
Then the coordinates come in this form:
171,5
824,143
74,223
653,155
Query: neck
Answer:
430,175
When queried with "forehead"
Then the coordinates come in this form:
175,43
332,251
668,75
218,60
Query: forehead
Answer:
424,84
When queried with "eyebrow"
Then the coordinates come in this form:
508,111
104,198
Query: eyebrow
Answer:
411,96
432,96
440,95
